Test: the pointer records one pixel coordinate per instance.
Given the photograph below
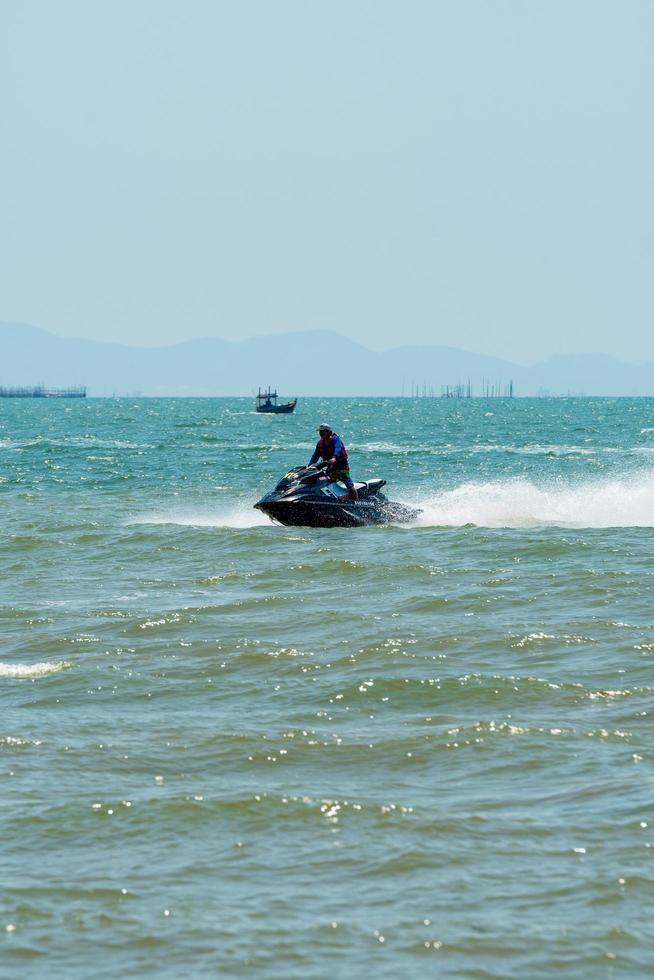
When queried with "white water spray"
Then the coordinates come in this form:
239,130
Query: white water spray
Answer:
626,502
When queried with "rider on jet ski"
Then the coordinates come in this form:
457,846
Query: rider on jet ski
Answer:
331,449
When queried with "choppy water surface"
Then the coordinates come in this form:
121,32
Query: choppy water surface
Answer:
234,749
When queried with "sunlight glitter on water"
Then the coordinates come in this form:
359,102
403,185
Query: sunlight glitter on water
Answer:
370,729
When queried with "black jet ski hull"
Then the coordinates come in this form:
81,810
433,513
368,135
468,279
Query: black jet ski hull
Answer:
356,513
302,514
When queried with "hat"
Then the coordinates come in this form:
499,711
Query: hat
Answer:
323,427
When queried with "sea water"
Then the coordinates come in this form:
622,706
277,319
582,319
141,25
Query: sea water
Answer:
229,748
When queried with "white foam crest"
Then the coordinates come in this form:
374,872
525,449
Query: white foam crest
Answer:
626,502
387,447
12,742
33,670
239,516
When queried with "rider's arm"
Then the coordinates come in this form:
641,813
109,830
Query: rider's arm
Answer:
316,455
338,449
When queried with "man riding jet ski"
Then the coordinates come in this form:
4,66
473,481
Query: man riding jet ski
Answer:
331,449
308,497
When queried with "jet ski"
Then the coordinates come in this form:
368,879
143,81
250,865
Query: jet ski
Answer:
306,497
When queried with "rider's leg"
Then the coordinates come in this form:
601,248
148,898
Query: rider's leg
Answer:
352,490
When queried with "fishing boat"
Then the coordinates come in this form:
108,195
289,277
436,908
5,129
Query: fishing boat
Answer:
267,402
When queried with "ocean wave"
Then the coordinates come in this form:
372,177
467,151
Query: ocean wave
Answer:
519,503
72,442
493,448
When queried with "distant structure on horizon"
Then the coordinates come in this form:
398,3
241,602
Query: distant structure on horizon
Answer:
40,391
460,390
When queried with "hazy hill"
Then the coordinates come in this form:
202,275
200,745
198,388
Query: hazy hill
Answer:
309,363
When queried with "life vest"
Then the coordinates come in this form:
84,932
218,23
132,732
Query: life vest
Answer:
327,450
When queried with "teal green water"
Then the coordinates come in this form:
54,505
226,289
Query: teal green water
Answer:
229,748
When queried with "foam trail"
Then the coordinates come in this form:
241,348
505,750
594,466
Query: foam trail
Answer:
627,502
240,516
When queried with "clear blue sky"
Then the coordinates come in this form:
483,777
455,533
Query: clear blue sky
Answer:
469,172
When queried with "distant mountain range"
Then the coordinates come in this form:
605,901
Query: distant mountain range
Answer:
308,363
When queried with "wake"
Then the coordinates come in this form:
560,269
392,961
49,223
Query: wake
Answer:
511,503
626,502
240,516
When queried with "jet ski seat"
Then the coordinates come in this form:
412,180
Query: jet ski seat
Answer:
371,486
